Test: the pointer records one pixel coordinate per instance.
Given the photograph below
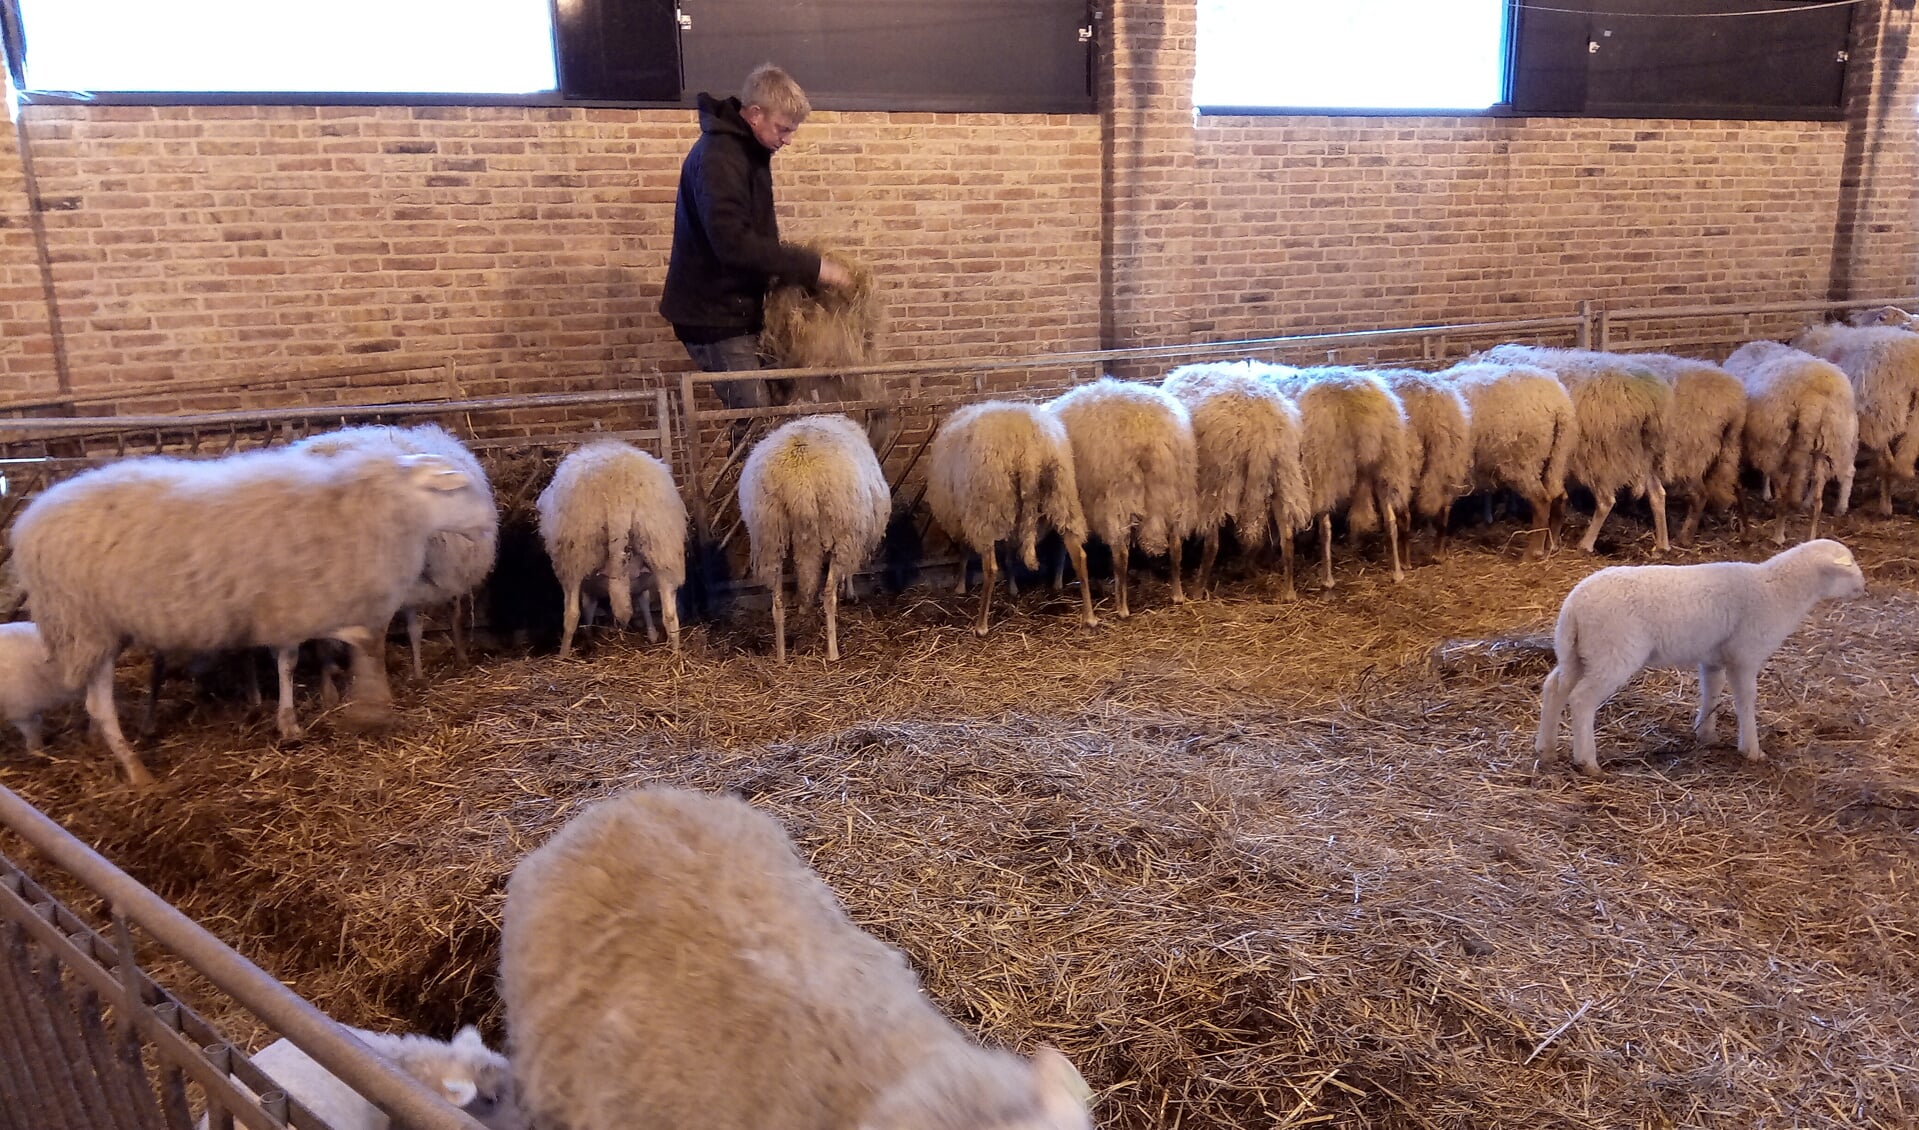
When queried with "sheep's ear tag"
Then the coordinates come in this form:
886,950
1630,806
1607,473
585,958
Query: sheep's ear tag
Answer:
459,1092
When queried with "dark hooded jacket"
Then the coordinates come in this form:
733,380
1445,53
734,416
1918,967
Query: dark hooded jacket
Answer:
726,238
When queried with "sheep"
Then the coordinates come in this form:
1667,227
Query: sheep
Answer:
1440,446
667,959
1703,441
613,510
1354,448
30,682
812,488
456,562
1882,363
995,471
464,1072
1524,431
266,548
1881,316
1247,436
1624,414
1801,427
1138,470
1725,617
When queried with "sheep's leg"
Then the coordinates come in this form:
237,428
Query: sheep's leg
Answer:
107,721
1712,683
1555,519
1208,553
369,699
1176,556
1442,532
1286,591
1120,554
1392,539
779,617
1690,526
959,589
1883,461
1536,539
252,670
415,630
1602,508
645,601
570,615
1584,700
329,676
1656,496
1326,551
1076,549
669,611
287,718
156,672
462,608
1818,491
1552,706
1059,570
29,728
989,576
1012,572
1745,704
832,601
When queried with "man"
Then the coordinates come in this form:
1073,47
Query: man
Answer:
726,237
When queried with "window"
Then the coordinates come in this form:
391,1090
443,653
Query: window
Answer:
1422,55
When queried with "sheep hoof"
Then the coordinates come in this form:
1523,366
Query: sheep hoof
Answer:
979,630
290,730
1753,755
1586,770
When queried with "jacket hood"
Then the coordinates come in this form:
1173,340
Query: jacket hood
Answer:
722,115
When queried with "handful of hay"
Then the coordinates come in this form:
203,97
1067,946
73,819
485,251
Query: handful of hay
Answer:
823,328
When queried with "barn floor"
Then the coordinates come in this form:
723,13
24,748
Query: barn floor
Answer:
1248,863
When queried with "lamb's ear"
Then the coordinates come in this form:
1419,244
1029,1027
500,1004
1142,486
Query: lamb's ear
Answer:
469,1037
458,1090
1064,1095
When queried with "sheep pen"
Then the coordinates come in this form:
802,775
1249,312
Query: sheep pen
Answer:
1247,863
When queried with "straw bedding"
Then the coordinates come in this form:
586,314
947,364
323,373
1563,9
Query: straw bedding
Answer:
1247,863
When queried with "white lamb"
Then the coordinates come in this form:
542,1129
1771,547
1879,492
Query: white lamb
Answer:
668,960
1138,468
1882,362
1439,446
1355,449
456,561
613,510
997,471
1801,428
263,549
812,489
30,682
1725,617
1624,413
464,1071
1524,432
1247,435
1881,316
1703,442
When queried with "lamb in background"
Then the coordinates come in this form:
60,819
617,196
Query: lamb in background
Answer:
669,952
612,510
30,682
995,472
1138,467
1882,363
267,548
1247,436
812,489
1704,442
1801,428
1725,617
1523,431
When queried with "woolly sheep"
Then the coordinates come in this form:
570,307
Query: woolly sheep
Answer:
1624,414
995,471
668,959
266,548
1703,444
813,489
1247,436
1801,428
456,561
1882,363
1354,448
1439,437
30,682
464,1071
1881,316
613,510
1138,468
1725,617
1523,431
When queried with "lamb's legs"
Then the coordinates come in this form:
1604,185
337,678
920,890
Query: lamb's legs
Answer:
1325,551
1602,508
989,575
1120,553
669,611
1712,683
1076,549
1208,553
832,600
1584,700
107,721
287,718
569,616
415,629
779,617
1745,704
1552,707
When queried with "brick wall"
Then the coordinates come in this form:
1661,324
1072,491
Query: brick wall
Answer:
228,243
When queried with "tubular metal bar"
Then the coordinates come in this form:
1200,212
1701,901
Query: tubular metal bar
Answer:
203,384
404,1099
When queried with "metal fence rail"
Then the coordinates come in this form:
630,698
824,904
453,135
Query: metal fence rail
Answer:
88,1041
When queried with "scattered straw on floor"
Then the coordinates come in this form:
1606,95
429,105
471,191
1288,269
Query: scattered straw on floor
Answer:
1250,864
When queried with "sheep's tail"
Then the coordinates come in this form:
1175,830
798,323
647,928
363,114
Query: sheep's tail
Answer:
1028,493
805,535
1560,453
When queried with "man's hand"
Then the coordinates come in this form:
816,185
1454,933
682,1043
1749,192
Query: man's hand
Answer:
835,276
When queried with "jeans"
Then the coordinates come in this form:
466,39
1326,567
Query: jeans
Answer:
733,355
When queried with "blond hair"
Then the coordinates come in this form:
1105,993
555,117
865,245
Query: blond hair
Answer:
773,90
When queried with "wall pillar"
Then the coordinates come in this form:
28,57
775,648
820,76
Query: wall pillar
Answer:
1876,237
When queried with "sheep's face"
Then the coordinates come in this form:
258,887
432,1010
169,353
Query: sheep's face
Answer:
478,1081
